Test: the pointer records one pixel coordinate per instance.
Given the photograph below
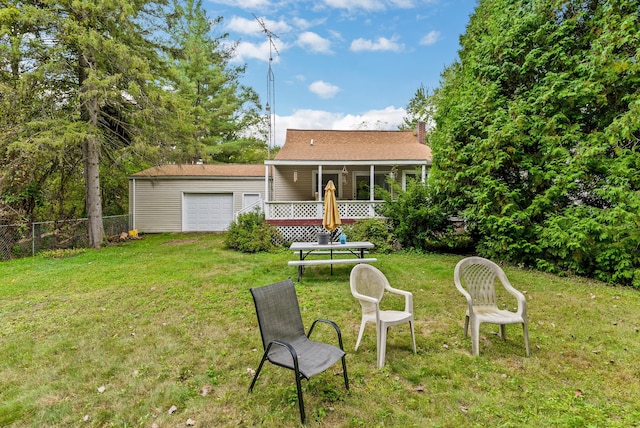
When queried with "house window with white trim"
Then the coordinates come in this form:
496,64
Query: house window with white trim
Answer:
362,184
326,176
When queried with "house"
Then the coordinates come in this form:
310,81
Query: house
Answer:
289,188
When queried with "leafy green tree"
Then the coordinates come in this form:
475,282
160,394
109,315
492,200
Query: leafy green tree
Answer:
420,109
92,91
536,143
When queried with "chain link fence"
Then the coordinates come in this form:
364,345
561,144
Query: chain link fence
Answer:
23,240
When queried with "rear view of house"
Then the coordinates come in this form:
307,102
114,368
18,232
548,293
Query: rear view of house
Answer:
288,189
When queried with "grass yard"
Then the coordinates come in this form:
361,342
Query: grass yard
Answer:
162,332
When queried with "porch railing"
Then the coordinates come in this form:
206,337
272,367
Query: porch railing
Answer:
275,210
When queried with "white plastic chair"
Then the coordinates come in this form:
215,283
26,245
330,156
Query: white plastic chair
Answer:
368,285
475,278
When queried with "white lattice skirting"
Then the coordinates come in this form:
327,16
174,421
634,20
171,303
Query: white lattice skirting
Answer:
304,233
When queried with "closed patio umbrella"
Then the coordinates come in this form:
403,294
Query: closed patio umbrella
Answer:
331,217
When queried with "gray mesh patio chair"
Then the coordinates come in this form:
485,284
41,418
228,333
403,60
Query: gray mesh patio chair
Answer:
368,285
284,341
475,278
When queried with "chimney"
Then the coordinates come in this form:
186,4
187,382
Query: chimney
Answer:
421,132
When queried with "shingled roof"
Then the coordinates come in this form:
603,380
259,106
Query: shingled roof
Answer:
365,145
217,170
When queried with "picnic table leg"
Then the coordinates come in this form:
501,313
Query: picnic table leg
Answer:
331,257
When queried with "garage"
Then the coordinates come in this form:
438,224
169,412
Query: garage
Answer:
207,212
193,198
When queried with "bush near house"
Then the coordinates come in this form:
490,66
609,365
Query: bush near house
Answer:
250,233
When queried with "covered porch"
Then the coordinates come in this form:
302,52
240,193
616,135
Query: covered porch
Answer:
357,161
294,196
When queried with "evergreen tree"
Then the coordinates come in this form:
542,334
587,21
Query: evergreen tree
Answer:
537,134
220,110
92,90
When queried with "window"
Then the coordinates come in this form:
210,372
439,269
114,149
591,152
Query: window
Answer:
411,175
326,176
362,184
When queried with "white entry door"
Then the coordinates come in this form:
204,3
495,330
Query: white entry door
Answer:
207,212
249,199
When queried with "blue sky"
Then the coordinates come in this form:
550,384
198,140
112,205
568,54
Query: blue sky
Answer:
342,64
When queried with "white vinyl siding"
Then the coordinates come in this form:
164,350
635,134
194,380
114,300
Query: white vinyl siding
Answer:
157,203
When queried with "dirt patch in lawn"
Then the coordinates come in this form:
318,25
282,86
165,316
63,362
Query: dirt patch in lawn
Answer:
181,241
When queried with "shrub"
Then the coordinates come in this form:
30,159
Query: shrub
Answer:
375,230
250,233
419,222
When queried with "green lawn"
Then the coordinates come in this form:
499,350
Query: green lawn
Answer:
117,337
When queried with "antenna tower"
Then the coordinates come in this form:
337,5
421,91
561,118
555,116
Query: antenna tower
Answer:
271,86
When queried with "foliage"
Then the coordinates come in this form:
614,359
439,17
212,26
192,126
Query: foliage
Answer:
91,92
183,332
375,230
420,109
536,143
218,108
250,233
419,222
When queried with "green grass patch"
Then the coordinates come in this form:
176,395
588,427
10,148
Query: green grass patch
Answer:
116,337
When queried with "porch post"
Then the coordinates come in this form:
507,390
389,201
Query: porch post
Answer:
371,189
371,182
424,173
266,191
320,194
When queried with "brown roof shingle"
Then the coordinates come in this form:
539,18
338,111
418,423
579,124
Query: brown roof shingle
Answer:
217,170
330,145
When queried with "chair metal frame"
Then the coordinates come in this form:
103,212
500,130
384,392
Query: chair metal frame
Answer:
284,341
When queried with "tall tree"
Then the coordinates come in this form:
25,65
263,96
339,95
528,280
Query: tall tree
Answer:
421,108
537,134
219,108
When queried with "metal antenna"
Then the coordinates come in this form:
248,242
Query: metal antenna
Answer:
271,85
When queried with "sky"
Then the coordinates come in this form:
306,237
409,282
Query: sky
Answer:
341,64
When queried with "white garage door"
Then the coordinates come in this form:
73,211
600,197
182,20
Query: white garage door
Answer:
208,212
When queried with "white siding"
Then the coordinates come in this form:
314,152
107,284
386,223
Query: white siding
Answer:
157,203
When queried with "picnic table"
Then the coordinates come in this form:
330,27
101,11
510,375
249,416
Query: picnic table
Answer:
356,250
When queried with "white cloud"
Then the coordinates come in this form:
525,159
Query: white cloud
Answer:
240,25
431,38
260,51
314,43
324,89
350,5
388,118
381,44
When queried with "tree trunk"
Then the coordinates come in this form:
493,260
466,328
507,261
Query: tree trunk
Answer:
91,158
